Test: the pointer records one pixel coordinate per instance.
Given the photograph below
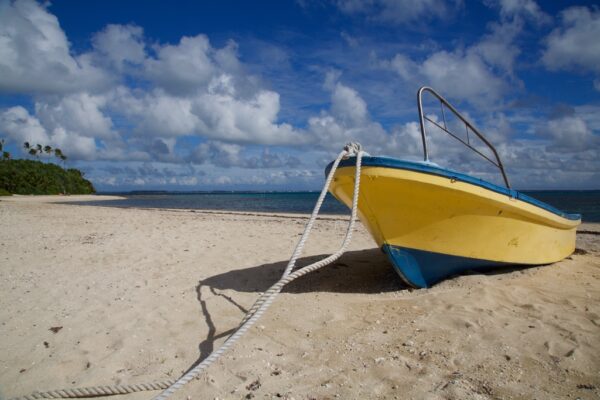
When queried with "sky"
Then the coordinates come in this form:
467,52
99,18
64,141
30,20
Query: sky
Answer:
225,95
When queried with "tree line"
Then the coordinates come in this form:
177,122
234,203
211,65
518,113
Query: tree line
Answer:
36,177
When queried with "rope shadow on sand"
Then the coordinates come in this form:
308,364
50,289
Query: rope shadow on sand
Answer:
365,271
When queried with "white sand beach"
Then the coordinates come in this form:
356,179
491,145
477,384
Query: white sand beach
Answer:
141,295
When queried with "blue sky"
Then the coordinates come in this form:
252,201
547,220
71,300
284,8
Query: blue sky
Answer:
243,95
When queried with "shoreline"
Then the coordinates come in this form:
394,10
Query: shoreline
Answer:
590,227
58,198
141,294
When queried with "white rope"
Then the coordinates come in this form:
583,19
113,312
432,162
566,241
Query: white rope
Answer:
265,301
255,312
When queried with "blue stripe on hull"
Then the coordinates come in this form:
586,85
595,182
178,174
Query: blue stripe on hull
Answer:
422,269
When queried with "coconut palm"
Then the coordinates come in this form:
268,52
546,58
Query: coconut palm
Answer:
59,154
48,149
28,148
5,154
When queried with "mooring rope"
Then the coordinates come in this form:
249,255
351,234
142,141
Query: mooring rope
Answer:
256,311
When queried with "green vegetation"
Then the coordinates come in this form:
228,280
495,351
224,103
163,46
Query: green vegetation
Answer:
5,154
36,177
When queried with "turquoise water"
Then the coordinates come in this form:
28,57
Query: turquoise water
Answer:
586,203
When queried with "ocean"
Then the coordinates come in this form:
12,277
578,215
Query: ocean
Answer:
586,203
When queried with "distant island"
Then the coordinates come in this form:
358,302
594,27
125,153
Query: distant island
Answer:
36,177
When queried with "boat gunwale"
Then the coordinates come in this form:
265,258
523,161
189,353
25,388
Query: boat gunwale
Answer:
394,163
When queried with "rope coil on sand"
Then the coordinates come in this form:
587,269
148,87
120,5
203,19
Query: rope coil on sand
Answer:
256,311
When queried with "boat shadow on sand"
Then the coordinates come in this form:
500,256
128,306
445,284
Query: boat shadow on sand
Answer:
364,271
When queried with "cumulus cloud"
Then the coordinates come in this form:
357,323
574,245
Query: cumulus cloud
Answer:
80,113
464,74
574,44
482,72
189,88
120,46
569,134
346,120
35,56
23,127
191,113
182,68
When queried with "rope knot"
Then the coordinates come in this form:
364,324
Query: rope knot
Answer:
352,148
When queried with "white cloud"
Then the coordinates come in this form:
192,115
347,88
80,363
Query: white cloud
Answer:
399,11
254,120
574,44
182,68
227,155
346,120
348,106
22,127
120,45
465,76
81,113
189,91
219,154
510,9
403,66
35,56
186,89
480,73
570,134
155,113
497,48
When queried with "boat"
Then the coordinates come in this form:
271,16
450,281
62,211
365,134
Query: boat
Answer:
434,223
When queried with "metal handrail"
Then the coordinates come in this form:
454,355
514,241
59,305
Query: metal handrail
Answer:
468,125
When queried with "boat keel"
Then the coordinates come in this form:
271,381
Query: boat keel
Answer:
421,269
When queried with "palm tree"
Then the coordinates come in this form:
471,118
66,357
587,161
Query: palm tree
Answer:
33,151
5,154
48,149
27,147
59,154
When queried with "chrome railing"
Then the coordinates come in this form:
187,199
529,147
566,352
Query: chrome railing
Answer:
468,127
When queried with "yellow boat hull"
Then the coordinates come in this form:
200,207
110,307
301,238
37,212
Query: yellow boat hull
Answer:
427,215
